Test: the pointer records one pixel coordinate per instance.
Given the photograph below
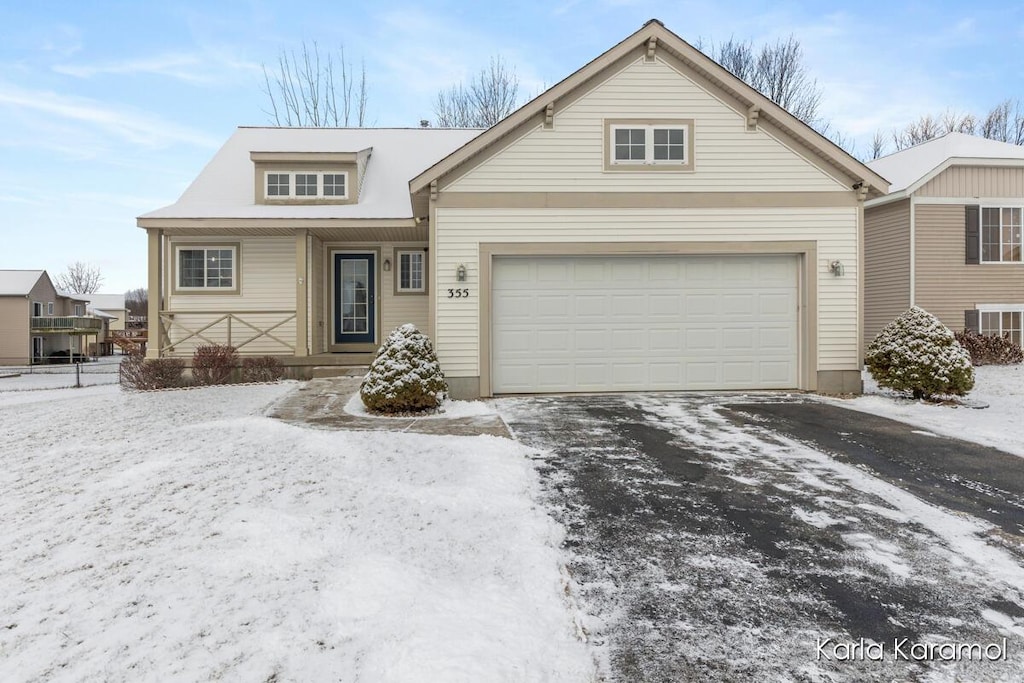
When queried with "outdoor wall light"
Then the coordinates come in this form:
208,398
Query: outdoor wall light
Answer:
387,265
837,268
460,273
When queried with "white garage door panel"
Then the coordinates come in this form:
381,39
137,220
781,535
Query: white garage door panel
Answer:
563,324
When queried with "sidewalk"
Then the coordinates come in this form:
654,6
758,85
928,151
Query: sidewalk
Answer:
321,403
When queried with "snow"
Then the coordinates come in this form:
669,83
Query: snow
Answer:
184,535
1001,387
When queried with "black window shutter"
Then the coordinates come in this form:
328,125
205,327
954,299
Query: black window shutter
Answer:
972,222
971,320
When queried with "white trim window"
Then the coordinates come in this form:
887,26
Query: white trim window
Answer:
1001,234
411,271
999,323
212,267
79,311
653,144
306,185
279,185
49,308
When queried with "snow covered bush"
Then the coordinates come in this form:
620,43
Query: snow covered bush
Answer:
990,349
405,376
213,363
917,354
261,369
145,375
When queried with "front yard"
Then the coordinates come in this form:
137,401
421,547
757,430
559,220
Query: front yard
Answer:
184,536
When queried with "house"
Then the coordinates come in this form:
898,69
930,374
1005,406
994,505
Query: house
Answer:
37,321
650,222
948,236
110,308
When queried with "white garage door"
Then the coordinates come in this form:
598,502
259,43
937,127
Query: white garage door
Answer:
624,323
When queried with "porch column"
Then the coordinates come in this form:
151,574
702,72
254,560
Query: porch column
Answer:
301,294
155,237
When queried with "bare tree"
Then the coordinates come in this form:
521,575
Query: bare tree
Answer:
137,301
303,89
491,96
776,70
1005,123
878,145
79,278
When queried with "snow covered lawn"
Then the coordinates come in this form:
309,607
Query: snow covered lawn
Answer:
999,386
185,536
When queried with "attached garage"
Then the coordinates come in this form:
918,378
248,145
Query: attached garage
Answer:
630,323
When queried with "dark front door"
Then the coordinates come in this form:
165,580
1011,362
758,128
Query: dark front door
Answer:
355,299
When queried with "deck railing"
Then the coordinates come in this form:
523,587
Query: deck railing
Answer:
68,324
233,328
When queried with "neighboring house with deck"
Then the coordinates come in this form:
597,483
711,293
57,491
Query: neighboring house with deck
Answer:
111,308
650,222
37,321
948,236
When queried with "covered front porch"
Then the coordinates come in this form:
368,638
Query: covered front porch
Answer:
313,297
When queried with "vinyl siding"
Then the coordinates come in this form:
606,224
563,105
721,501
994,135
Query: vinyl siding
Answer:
886,265
975,181
267,272
460,232
570,157
945,286
15,344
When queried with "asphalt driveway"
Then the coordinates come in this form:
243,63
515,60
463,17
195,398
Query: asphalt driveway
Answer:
739,538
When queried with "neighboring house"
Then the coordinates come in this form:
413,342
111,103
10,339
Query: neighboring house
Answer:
650,222
37,321
948,237
112,310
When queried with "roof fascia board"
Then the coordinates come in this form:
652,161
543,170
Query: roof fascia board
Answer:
284,157
201,223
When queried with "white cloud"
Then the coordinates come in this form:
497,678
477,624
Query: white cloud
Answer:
133,126
205,68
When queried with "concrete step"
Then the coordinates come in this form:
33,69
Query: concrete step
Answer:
338,371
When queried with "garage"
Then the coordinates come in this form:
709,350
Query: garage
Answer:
632,323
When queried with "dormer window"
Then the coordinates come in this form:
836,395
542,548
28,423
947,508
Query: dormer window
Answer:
299,185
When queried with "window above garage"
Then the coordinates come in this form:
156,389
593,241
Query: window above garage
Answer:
648,145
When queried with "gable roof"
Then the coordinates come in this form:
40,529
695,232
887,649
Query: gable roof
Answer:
225,187
810,139
910,168
110,302
19,282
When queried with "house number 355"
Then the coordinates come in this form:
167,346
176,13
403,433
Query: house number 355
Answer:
458,293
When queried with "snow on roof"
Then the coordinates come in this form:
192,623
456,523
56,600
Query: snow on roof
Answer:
18,282
907,166
225,188
101,314
109,302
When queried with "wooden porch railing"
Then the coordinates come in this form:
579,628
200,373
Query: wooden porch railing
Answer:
223,329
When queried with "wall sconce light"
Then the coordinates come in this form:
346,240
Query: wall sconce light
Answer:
460,273
836,267
387,265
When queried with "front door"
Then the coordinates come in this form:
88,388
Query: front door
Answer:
355,299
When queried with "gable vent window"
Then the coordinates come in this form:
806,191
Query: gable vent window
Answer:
649,145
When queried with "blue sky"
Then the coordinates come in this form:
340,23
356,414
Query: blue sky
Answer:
110,109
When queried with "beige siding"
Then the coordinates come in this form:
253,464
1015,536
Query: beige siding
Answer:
947,287
267,279
570,157
975,181
15,342
460,232
886,265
